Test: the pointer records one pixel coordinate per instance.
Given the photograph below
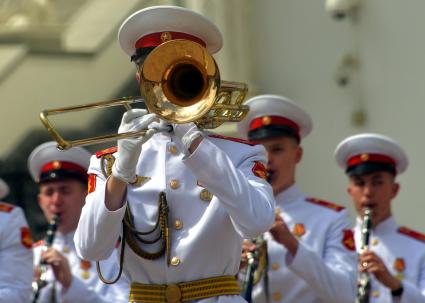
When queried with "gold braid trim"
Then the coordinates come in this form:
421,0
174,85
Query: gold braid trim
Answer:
185,291
132,236
107,170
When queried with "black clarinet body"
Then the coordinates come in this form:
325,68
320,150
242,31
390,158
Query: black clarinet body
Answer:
363,281
50,237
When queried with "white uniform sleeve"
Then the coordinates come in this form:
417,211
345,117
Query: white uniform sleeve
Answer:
15,260
413,293
333,275
247,198
98,229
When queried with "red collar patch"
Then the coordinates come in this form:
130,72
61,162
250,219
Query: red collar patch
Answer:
26,238
260,170
348,239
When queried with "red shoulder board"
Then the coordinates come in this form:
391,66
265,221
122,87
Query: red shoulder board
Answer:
233,139
327,204
6,208
411,233
107,151
38,243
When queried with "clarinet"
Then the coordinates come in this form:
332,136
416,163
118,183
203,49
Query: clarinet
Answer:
253,261
50,236
363,281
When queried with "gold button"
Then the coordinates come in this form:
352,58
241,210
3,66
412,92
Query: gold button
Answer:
375,241
277,211
178,224
175,184
275,266
375,293
85,275
399,276
66,249
277,296
205,195
172,149
175,261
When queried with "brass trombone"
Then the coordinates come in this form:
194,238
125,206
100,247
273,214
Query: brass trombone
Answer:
180,82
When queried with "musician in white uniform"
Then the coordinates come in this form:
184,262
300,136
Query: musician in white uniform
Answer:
62,179
193,194
311,254
395,259
15,252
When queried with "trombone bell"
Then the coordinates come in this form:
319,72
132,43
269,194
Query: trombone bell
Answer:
180,81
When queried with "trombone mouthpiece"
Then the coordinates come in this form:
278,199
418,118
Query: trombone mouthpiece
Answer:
162,127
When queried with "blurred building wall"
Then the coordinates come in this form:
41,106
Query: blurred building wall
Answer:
297,48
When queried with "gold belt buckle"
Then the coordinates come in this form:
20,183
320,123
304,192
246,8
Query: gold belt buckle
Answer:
173,293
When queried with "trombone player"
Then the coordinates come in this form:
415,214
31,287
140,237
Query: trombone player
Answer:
311,255
181,199
395,260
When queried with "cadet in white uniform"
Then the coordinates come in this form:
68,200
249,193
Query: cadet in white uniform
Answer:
395,260
62,180
198,194
15,252
311,254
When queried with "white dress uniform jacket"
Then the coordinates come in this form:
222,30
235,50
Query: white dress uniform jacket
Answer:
324,267
15,255
85,285
207,242
403,252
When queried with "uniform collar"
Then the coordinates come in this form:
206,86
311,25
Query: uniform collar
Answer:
65,239
388,225
289,195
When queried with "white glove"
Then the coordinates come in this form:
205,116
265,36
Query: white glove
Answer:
129,149
184,135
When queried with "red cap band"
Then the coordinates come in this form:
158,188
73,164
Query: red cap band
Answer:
362,158
156,39
273,120
63,165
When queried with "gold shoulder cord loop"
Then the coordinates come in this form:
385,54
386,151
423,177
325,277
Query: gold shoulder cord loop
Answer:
115,280
110,159
131,235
